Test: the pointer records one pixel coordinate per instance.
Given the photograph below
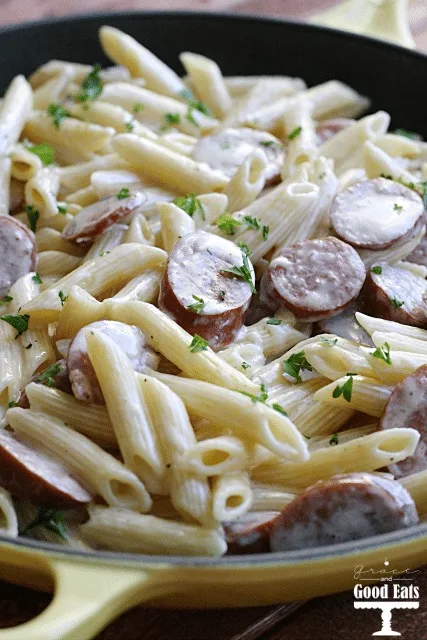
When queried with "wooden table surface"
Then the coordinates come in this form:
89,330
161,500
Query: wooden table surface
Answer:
330,618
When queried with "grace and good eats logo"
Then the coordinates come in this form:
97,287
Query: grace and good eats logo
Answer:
395,589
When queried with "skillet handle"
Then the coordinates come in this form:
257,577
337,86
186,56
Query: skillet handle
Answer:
383,19
87,597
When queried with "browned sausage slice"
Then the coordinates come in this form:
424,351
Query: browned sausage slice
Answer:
30,473
395,294
226,149
17,252
345,507
198,291
55,375
419,255
314,279
407,407
250,534
82,375
327,129
345,326
374,214
94,219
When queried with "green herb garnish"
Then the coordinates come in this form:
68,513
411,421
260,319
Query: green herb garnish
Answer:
274,321
191,205
383,353
280,409
129,126
330,342
57,113
228,224
62,209
395,303
245,365
12,404
171,119
123,193
294,133
47,376
334,440
198,344
91,86
407,134
265,231
244,272
397,207
63,297
33,217
44,151
138,107
49,519
18,322
295,363
36,278
377,269
253,223
345,389
197,306
6,299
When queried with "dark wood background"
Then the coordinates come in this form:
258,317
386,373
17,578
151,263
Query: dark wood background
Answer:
331,618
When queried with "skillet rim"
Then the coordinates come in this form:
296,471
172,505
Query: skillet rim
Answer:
346,549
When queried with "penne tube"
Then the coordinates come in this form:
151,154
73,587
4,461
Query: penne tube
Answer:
269,497
252,421
144,288
107,272
396,145
97,470
190,493
42,190
111,115
396,252
139,231
78,176
368,395
208,82
372,324
54,89
5,173
125,50
122,530
246,357
399,342
175,224
347,435
300,131
71,133
343,357
367,453
79,310
417,269
248,181
403,364
173,342
174,171
8,517
240,85
111,238
90,420
28,514
51,240
82,197
128,410
214,456
15,110
416,485
378,162
231,496
214,205
56,264
25,164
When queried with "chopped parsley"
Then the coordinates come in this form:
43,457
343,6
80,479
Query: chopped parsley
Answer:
62,209
244,248
91,86
397,207
295,364
228,224
407,134
171,119
274,321
47,376
44,151
334,440
294,133
280,409
377,269
18,322
395,303
6,299
222,294
129,126
33,217
196,105
263,396
383,353
12,404
197,306
50,519
267,143
123,193
265,231
253,223
36,278
191,205
198,344
345,389
138,107
245,365
244,272
330,342
63,297
57,113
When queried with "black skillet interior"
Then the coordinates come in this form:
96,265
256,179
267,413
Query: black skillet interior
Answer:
391,76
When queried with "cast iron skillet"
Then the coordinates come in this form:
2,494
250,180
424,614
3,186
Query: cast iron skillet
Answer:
91,589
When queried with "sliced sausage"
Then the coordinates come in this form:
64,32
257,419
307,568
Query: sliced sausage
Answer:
29,473
407,407
226,149
55,375
18,254
395,294
198,291
345,507
375,214
327,129
345,326
82,375
250,534
94,219
314,279
419,255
